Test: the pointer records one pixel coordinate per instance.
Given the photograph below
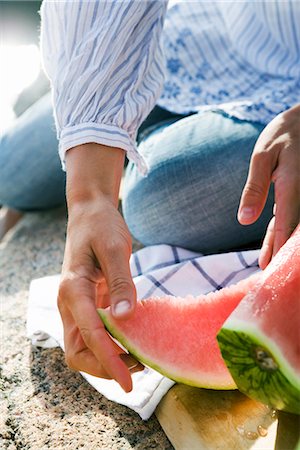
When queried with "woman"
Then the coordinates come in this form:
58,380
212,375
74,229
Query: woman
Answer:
231,69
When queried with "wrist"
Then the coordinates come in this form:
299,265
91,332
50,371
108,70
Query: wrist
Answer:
93,171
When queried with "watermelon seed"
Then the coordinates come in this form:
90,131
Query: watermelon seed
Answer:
265,359
262,431
251,435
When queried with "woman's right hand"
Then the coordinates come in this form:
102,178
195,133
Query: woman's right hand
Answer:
96,269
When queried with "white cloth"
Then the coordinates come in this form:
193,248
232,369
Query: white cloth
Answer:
157,271
108,60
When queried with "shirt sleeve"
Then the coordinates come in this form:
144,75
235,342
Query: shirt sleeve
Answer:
105,63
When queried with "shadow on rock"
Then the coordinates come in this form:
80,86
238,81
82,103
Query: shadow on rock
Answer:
70,399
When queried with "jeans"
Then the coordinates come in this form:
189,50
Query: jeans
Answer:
197,168
31,177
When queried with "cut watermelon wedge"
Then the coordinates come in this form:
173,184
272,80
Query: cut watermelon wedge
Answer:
260,341
177,336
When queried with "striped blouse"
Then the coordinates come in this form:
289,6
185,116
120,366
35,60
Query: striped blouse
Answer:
110,61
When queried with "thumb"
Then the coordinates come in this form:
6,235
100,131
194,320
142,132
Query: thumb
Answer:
121,289
256,189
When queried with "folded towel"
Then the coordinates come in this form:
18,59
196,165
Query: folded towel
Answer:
157,271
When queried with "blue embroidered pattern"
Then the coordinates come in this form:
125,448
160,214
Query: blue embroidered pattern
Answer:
219,59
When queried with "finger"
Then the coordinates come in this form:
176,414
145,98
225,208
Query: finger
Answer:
101,345
115,266
80,297
257,186
266,252
287,196
86,359
78,355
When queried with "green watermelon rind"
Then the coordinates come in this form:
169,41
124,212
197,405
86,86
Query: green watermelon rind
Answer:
104,315
238,358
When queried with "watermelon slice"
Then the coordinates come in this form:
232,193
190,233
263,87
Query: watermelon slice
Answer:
177,336
260,341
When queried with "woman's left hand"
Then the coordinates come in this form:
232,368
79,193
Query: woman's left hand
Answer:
275,158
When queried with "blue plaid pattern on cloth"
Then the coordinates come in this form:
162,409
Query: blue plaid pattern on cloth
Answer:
166,270
157,271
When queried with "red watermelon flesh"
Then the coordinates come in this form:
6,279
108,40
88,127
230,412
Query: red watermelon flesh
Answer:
260,341
177,336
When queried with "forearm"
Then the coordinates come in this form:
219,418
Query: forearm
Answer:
93,170
95,270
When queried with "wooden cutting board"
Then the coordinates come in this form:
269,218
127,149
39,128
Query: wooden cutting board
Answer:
201,419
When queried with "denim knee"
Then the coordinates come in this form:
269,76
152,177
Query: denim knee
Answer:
31,177
190,197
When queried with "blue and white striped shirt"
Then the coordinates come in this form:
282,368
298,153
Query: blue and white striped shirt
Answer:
110,62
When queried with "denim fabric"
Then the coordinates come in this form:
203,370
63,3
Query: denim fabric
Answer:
31,177
197,169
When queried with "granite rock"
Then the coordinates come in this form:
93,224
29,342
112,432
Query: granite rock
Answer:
45,405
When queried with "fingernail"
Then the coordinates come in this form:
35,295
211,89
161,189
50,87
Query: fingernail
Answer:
121,308
246,213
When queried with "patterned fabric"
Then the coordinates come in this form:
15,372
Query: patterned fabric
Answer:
239,57
106,64
106,68
157,271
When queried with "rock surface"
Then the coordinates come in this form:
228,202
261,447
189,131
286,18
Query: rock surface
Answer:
45,405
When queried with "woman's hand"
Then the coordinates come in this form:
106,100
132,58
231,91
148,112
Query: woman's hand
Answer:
96,269
276,158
